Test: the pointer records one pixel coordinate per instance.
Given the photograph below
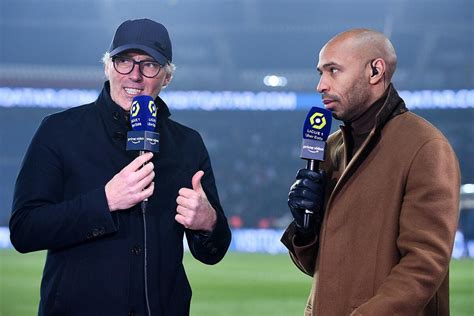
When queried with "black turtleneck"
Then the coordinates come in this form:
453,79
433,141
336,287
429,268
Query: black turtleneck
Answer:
358,130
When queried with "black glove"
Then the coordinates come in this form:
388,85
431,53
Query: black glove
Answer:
307,193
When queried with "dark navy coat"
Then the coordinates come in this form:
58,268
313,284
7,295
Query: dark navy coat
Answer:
95,260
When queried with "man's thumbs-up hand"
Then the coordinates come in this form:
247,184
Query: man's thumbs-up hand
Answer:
194,210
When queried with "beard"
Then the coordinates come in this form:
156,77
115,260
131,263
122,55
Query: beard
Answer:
356,101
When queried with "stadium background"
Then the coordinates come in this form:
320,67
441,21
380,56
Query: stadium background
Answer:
235,49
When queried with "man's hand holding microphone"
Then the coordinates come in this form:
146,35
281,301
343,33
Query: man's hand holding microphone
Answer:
307,194
306,197
132,184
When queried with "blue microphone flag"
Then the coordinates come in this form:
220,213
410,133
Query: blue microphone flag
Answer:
316,130
143,114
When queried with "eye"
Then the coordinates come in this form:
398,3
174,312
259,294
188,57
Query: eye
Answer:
151,65
333,70
122,60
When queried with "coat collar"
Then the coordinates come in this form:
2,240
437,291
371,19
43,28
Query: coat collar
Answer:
393,106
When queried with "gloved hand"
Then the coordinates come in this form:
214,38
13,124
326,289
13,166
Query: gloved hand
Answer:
307,193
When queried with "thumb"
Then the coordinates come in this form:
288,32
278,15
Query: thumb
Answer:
196,181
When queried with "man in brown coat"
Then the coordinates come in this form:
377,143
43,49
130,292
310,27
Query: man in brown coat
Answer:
386,200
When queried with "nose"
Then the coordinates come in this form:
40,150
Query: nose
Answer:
136,75
322,85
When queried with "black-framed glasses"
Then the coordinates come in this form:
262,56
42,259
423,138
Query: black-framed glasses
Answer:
124,65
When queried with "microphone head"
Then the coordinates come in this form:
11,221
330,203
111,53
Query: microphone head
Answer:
143,137
143,113
316,130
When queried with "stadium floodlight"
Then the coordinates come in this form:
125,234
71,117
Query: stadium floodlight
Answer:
275,81
467,188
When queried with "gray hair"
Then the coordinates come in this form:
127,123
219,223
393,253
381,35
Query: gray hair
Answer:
169,68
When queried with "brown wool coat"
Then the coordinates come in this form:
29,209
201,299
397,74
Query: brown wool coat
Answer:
390,219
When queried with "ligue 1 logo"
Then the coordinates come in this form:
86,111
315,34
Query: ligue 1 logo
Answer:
317,120
152,108
135,108
317,124
316,129
143,113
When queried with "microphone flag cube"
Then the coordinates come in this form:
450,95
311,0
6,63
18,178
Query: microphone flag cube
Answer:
316,130
143,114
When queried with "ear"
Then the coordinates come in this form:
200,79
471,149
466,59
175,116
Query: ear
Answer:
167,79
106,70
376,70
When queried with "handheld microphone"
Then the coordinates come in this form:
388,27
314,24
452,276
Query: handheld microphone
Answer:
316,130
143,137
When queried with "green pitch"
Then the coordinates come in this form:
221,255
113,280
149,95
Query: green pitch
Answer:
242,284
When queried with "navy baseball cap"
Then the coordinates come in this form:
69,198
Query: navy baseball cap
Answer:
143,34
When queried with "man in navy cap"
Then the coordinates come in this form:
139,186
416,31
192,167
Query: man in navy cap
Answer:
78,195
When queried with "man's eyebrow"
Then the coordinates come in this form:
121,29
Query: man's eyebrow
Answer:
146,58
327,65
